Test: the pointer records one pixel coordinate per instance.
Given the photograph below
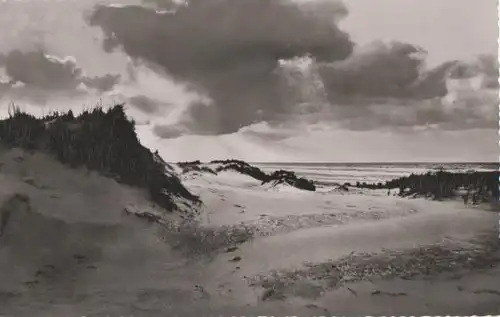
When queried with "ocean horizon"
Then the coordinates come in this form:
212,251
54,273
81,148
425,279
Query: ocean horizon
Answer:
377,163
340,173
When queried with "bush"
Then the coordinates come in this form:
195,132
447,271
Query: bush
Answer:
242,167
100,140
442,185
290,178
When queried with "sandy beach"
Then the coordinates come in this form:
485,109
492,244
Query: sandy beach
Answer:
310,249
254,249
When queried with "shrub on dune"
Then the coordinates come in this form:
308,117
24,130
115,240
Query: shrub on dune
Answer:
100,140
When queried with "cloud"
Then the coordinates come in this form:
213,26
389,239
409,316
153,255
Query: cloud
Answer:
328,143
102,83
145,104
398,70
485,66
383,69
169,5
426,115
388,85
169,131
228,50
36,75
193,70
42,71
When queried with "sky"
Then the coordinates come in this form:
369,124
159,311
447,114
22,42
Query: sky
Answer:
357,81
448,29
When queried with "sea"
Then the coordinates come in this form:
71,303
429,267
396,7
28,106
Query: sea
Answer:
340,173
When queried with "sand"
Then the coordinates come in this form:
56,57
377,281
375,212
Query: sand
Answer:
69,249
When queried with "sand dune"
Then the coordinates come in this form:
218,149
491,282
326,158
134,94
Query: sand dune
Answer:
69,248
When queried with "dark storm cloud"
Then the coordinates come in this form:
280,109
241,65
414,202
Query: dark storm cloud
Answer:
35,75
387,85
485,65
228,49
145,104
397,70
488,65
432,83
37,70
467,113
392,70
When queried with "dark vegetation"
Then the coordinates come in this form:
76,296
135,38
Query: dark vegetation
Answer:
278,177
443,185
243,168
195,166
287,177
103,141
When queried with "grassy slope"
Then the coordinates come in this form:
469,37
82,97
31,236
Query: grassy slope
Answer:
103,141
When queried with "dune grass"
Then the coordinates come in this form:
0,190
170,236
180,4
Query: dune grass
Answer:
443,184
100,140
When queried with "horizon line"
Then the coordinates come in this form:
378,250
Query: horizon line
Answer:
349,162
389,162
